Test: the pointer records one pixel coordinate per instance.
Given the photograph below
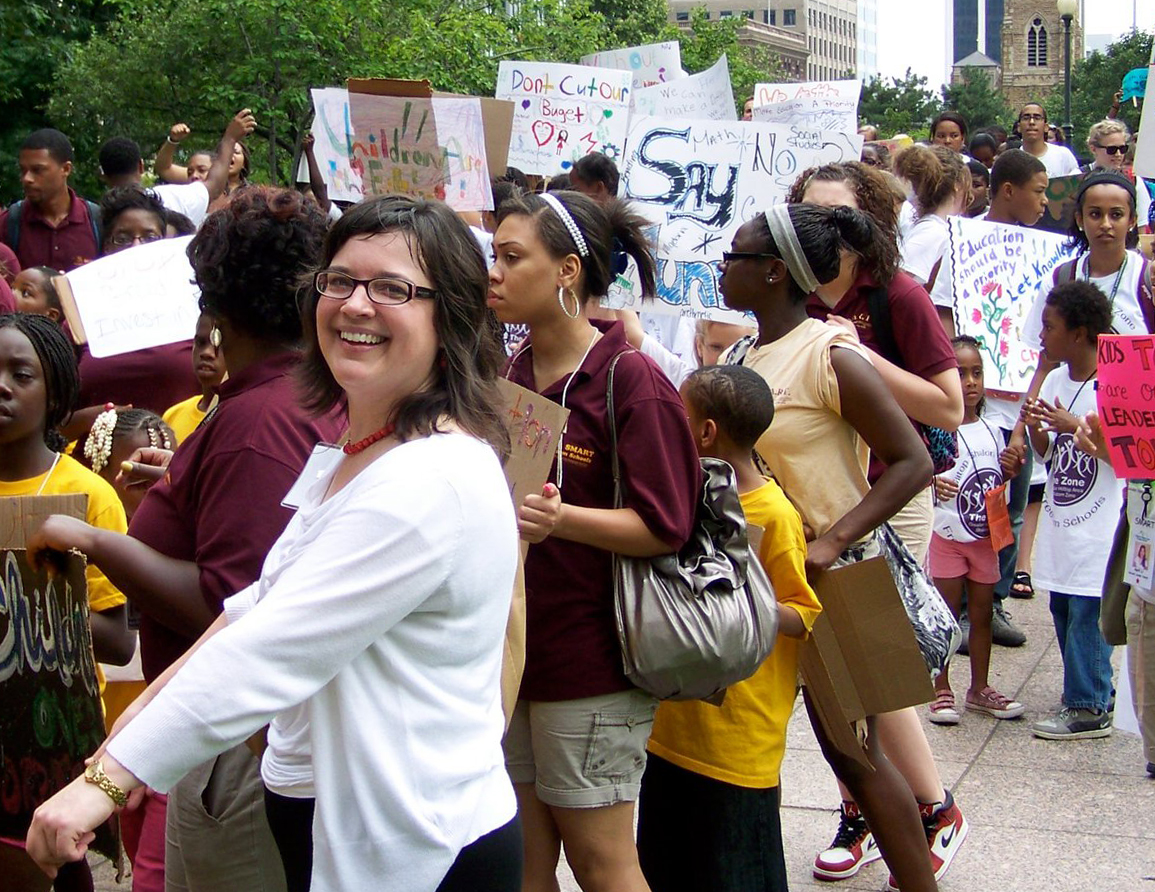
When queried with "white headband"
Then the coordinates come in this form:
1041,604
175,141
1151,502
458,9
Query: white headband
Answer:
782,231
570,224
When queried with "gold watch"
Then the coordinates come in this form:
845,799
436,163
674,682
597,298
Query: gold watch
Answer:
94,774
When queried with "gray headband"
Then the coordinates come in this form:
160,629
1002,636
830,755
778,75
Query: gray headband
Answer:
782,231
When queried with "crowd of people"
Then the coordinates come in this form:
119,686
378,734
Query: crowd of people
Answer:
303,511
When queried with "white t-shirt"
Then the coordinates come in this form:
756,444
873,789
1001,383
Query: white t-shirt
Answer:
675,368
1059,161
1126,314
1081,503
924,247
964,518
190,199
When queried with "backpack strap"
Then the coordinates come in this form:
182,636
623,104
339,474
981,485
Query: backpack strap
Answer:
14,214
94,219
1066,271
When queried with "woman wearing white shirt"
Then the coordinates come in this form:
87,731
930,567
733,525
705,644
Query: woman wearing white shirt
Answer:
383,606
942,186
1058,160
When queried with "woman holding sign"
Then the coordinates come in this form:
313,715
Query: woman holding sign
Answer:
576,748
374,634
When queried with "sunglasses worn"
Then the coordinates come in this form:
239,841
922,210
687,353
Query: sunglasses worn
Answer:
1113,150
390,291
731,256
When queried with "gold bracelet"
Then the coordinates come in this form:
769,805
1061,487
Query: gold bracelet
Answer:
94,774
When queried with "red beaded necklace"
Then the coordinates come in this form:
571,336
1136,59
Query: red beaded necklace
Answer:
362,445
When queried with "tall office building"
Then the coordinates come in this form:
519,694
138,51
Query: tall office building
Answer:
867,39
977,26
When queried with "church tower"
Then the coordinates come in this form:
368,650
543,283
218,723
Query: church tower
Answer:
1033,50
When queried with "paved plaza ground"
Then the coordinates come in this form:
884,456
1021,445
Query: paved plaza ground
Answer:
1044,816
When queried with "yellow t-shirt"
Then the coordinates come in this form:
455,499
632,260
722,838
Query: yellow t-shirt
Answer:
104,510
743,741
184,417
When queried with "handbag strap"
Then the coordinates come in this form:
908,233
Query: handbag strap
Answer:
612,420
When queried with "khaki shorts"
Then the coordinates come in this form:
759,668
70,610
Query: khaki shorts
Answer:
585,753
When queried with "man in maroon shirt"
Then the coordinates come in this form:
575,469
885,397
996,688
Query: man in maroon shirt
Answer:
52,226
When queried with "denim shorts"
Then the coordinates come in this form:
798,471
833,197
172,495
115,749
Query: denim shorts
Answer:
585,753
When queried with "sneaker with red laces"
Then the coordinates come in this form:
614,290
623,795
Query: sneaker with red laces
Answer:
946,828
853,846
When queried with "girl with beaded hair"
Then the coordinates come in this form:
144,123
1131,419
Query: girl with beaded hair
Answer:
116,434
576,748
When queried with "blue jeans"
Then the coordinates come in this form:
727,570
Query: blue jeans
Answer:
1086,656
698,833
1019,491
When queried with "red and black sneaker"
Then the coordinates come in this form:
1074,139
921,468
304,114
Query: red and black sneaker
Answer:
946,828
853,847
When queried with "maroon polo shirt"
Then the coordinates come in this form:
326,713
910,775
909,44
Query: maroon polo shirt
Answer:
63,247
571,644
220,503
923,347
155,378
9,264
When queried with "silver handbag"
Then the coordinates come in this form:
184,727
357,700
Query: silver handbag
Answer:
691,624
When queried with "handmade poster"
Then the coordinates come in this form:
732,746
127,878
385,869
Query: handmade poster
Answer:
52,719
706,96
1060,212
1125,396
698,181
894,146
409,141
815,105
141,297
1134,84
654,63
332,143
535,425
996,272
562,112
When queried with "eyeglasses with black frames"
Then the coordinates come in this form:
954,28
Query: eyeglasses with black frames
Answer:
389,291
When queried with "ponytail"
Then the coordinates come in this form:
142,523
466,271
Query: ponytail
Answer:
933,172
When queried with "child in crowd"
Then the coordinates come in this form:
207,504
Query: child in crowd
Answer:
980,189
35,293
961,552
1081,505
38,388
721,764
209,367
115,436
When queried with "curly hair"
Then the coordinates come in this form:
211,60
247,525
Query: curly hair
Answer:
249,257
134,197
1082,305
61,375
933,172
874,198
471,354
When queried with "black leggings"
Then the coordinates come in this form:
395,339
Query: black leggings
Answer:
490,864
291,821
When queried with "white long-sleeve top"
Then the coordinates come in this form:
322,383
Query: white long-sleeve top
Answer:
383,609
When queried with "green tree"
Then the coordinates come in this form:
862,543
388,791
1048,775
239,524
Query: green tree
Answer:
707,40
1094,83
897,105
974,98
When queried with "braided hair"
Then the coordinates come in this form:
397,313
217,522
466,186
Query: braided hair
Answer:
61,375
112,424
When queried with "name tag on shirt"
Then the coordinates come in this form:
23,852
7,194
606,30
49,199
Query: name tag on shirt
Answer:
325,457
1140,568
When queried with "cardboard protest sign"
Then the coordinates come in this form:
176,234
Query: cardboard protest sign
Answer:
52,718
408,140
706,96
1134,84
815,105
996,272
535,424
1060,212
333,143
893,146
862,658
1125,396
140,297
653,63
562,112
698,181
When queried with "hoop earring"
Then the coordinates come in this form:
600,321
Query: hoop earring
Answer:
561,291
215,338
